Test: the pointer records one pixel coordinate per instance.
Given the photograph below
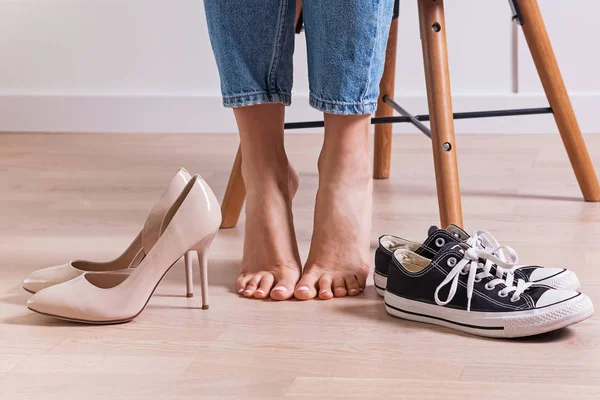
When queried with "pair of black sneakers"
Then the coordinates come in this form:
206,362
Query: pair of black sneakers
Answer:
473,284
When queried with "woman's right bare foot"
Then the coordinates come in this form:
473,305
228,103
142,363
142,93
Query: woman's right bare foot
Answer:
271,262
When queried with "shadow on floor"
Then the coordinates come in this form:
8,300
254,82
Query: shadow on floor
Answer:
172,307
225,273
16,299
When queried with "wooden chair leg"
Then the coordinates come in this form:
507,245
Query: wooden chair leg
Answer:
298,12
556,92
382,151
235,194
439,97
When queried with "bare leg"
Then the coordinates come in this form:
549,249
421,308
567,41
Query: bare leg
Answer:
271,262
338,264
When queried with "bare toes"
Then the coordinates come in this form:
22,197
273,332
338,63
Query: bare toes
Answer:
252,285
283,290
265,285
325,290
339,287
242,281
352,285
306,287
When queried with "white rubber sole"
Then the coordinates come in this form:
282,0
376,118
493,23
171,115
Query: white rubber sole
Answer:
566,281
497,325
380,283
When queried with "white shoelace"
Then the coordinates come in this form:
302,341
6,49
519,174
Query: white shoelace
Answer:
477,271
485,241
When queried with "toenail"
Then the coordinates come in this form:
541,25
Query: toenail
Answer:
241,291
260,291
248,291
303,289
279,289
352,291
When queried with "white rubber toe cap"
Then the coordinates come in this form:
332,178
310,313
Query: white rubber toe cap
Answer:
557,278
551,297
545,273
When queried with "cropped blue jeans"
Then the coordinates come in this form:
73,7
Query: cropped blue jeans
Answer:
253,43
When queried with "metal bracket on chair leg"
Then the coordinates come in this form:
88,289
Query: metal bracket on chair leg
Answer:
413,120
516,11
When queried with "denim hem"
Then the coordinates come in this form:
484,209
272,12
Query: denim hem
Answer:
252,99
342,108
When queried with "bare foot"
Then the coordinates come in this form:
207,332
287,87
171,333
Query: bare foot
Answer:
271,262
338,263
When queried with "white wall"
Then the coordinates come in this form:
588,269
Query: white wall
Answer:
146,66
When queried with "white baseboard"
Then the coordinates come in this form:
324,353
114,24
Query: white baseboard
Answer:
204,113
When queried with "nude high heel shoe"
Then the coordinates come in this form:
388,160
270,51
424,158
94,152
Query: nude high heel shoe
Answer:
130,258
113,297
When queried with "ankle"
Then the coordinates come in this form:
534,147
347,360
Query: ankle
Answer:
264,177
351,167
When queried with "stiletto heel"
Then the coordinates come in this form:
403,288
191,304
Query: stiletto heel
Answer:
202,250
112,298
203,263
130,258
189,274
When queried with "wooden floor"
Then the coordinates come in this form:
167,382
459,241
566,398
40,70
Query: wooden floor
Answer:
86,196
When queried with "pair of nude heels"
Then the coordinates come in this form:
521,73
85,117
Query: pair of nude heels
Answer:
185,219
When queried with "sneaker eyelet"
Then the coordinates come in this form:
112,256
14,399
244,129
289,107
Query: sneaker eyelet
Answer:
488,287
463,272
515,299
477,280
502,294
440,242
451,262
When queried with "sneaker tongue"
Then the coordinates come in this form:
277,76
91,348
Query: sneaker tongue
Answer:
458,231
432,230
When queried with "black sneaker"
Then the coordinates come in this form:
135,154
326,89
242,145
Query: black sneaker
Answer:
459,289
557,278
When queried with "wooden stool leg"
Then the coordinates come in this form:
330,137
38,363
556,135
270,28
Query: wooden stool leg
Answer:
235,194
383,133
556,92
439,97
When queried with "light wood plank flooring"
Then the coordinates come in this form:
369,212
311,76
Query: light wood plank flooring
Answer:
85,196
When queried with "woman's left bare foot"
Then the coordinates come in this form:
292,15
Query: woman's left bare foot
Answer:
338,263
